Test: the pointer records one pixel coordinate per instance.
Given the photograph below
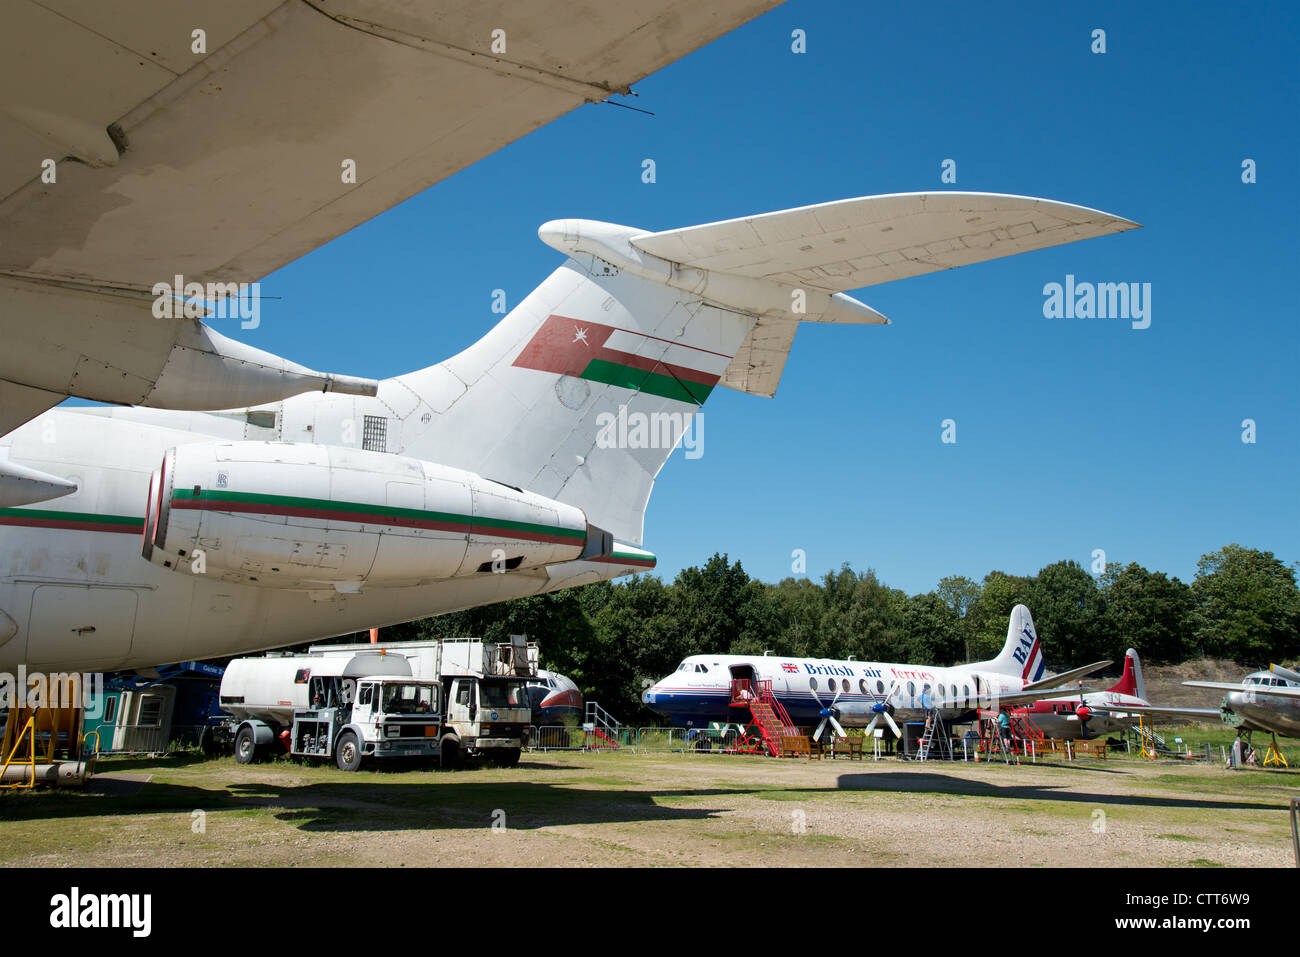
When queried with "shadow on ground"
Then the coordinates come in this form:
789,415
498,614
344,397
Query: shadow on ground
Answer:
915,781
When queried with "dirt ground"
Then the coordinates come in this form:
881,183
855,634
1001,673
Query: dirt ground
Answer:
574,809
1165,684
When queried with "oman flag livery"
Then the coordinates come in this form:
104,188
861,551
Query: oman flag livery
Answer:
631,360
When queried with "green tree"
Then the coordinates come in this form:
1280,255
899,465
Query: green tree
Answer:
987,620
1147,611
1247,605
1067,607
961,595
933,629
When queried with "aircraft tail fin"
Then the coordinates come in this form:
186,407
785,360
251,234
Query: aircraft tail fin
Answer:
583,390
1021,655
1130,682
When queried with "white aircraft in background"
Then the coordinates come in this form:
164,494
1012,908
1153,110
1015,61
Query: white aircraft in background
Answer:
858,694
137,536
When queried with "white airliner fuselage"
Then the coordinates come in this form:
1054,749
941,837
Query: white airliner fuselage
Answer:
700,691
77,594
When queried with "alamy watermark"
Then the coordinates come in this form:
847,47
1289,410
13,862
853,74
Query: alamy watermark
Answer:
190,300
34,689
1102,300
651,430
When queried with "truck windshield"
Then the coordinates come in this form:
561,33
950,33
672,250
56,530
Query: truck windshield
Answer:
408,699
502,694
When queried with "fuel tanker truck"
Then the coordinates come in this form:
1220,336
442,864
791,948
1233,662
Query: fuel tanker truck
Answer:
485,687
352,708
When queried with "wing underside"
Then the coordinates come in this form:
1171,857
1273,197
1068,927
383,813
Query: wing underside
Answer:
221,139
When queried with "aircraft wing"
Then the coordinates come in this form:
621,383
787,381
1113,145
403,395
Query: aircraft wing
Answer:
1254,689
217,140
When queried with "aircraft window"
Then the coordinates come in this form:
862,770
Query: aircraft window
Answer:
812,683
911,689
862,685
925,689
844,685
965,692
880,687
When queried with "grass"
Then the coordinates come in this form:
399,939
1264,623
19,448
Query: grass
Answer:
620,808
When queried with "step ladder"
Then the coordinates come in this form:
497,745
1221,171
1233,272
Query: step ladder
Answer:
768,714
991,739
935,728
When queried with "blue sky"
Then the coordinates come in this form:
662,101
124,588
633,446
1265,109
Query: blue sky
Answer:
1072,434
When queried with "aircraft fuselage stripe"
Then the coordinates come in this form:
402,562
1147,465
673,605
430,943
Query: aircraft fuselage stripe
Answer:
362,514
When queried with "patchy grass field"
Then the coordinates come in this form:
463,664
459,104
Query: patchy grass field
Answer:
569,809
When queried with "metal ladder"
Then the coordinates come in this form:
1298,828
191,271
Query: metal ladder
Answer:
934,725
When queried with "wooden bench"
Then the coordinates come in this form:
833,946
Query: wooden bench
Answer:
1072,749
851,747
793,747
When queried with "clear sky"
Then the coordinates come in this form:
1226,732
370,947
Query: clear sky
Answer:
1072,434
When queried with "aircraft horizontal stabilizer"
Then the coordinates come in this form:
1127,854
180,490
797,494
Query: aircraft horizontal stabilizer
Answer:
861,242
1253,689
1009,698
1055,680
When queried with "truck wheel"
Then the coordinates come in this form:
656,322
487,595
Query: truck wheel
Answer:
452,756
508,759
347,754
245,746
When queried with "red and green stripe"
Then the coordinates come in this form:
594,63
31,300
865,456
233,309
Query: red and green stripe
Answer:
362,513
573,347
71,521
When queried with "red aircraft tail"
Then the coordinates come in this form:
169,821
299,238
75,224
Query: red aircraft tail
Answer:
1131,682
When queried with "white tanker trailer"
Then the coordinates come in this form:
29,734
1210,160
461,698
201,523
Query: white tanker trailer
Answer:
350,708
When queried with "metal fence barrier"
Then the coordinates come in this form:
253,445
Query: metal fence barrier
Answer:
148,739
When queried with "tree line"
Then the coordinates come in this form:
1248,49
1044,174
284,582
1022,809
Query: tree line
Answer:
615,638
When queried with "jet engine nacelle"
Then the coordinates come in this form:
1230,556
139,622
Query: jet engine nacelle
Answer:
287,515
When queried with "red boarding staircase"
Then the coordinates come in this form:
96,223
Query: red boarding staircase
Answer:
1023,731
769,715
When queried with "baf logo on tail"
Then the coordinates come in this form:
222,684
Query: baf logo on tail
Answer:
1027,651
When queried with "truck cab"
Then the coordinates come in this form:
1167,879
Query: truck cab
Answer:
350,707
488,716
353,719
